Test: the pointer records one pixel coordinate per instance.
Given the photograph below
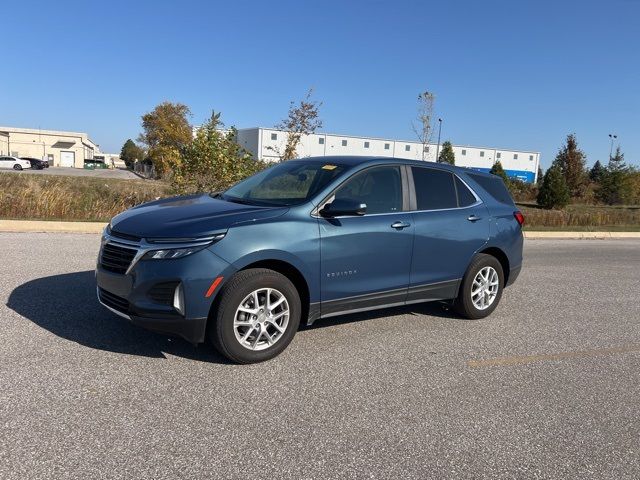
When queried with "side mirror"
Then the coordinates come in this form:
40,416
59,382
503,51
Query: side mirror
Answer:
343,207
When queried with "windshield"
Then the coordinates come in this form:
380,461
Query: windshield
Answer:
289,183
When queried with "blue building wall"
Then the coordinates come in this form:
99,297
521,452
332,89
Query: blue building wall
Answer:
523,175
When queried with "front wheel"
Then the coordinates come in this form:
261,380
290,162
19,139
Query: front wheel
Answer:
481,287
17,167
257,316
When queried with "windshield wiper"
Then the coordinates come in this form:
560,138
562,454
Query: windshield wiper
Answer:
241,201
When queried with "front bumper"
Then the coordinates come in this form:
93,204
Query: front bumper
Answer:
145,295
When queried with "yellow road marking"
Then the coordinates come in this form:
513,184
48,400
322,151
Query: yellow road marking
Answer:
518,360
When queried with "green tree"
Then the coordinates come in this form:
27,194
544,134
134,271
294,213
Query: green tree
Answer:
596,172
166,131
447,154
540,177
302,119
131,152
499,171
554,192
571,162
615,187
213,161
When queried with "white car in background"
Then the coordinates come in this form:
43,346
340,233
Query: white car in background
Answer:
15,163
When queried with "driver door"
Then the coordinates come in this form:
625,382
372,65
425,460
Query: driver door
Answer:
366,260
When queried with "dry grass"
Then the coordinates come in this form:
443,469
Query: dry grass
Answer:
582,217
48,197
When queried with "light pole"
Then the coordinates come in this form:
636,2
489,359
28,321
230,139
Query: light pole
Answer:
612,137
439,132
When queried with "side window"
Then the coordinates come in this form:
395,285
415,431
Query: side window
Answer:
434,189
465,197
379,187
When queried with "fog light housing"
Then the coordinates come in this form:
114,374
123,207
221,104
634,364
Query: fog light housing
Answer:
178,299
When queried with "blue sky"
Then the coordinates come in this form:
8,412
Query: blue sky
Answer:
511,74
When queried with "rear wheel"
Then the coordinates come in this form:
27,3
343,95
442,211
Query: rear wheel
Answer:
481,287
17,167
257,316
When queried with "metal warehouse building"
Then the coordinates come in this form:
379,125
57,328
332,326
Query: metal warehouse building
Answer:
266,143
61,149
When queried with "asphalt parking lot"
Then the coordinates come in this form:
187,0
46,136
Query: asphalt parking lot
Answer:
118,173
547,387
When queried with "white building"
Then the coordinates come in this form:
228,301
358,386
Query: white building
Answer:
266,143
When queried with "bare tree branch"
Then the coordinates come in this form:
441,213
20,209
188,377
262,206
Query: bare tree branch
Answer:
422,127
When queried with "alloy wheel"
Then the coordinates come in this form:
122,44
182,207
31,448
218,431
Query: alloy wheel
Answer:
261,319
485,288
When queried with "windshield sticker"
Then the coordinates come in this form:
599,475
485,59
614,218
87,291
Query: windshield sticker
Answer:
329,167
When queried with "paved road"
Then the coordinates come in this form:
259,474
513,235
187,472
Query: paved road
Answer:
548,387
118,173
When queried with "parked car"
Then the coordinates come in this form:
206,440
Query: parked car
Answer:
93,163
14,162
310,239
36,163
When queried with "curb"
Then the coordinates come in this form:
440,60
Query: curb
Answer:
579,235
45,226
50,227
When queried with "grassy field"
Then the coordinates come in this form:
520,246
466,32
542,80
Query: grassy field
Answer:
582,218
49,197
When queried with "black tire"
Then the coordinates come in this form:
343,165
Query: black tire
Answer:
17,167
221,331
464,304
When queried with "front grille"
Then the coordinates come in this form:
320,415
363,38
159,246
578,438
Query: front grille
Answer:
115,258
114,301
163,292
124,236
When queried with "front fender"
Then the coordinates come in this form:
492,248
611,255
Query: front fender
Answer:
298,245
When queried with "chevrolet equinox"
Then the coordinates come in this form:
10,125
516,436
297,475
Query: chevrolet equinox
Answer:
309,239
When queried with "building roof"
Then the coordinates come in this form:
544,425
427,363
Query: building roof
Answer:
39,131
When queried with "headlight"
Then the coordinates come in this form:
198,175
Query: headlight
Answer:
173,249
171,253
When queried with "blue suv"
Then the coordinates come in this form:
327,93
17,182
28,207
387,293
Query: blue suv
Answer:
309,239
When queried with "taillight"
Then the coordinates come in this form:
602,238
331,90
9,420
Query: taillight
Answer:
519,217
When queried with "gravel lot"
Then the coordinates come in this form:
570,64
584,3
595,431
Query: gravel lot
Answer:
547,387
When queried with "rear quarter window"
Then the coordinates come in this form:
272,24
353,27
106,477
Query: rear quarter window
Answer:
494,186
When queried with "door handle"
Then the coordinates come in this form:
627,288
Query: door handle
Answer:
473,218
400,225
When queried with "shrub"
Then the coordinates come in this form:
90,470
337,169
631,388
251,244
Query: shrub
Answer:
213,161
553,192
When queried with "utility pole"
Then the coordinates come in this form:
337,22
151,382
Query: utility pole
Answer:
612,137
439,132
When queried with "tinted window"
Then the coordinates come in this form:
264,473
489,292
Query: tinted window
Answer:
494,187
434,189
380,188
465,197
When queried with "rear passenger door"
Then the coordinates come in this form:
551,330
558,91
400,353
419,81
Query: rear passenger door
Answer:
451,224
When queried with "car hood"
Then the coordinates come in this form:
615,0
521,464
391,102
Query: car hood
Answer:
187,217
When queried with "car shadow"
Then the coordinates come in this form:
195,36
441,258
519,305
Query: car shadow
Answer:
66,305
